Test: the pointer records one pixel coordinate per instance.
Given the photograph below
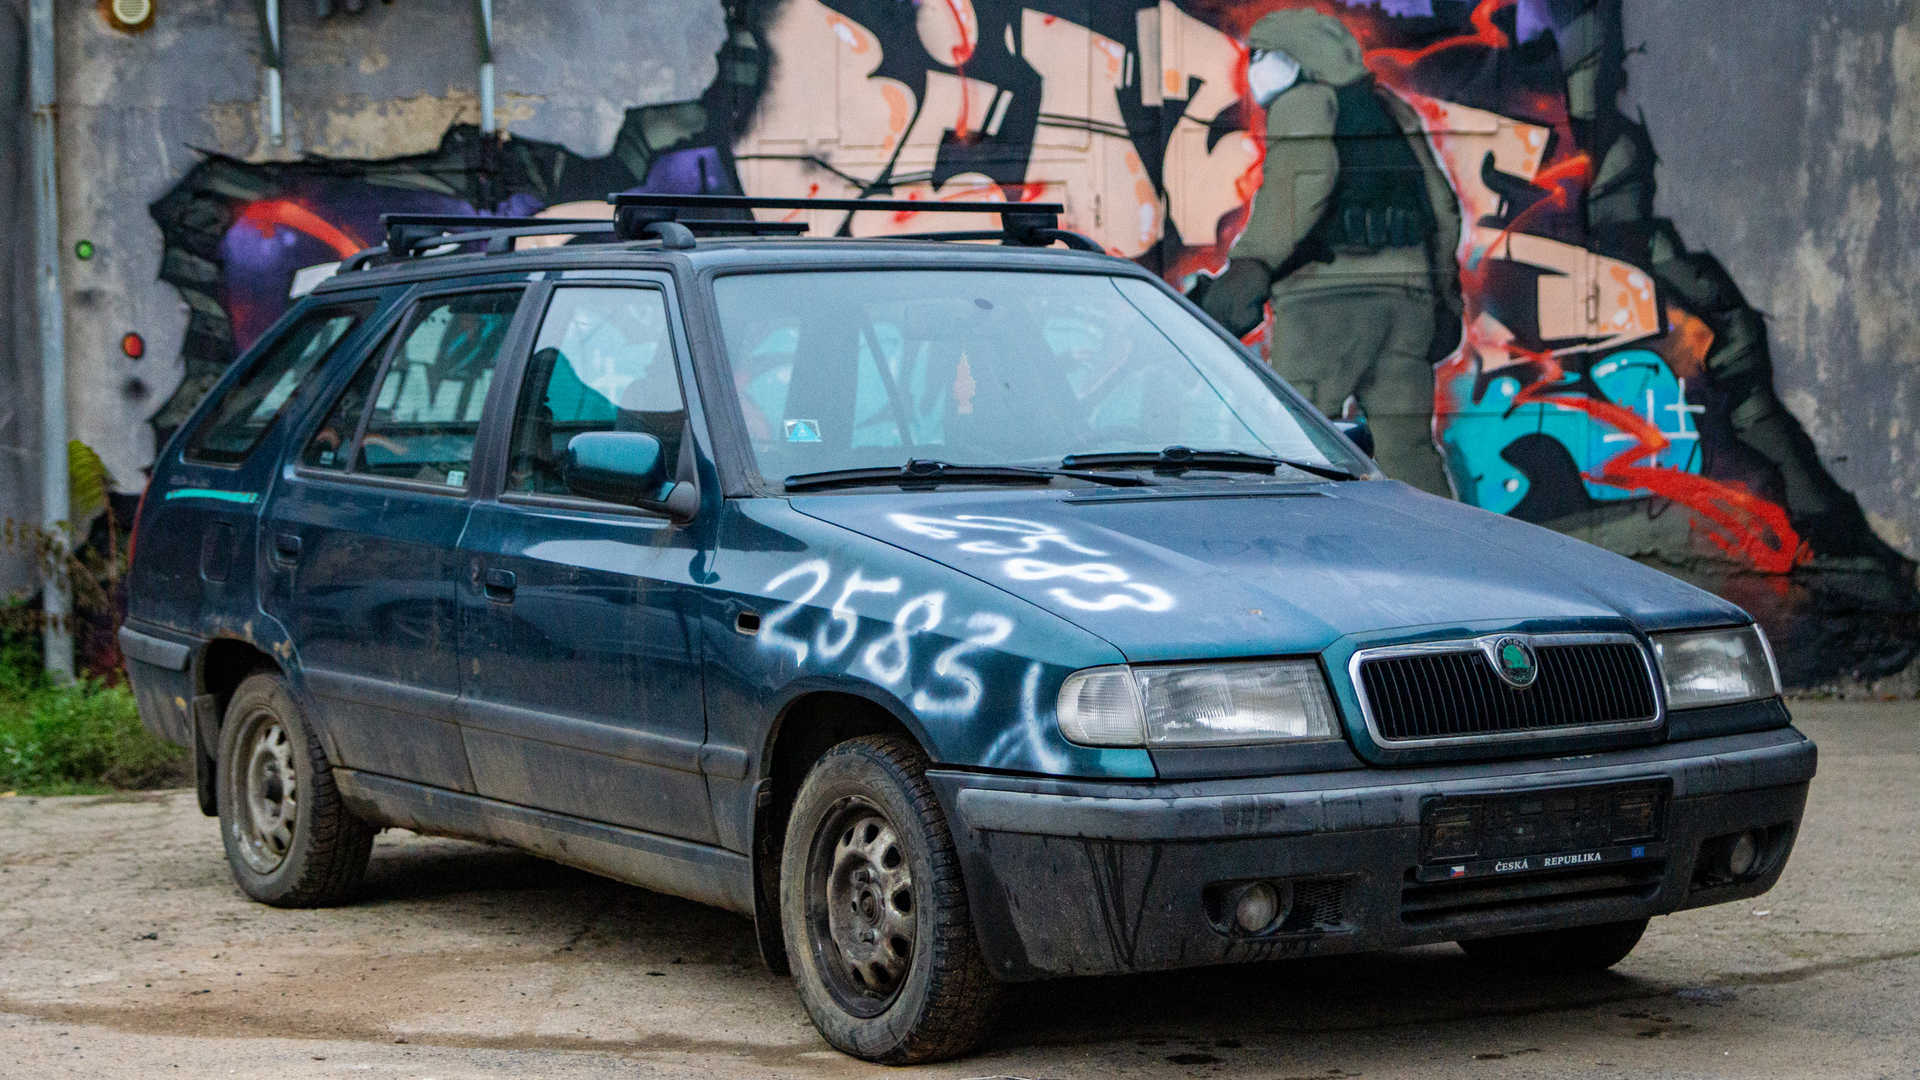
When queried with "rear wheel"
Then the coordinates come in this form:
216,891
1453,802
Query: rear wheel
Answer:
289,838
878,933
1560,952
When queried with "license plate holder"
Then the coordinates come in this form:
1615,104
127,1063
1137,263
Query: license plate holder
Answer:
1542,830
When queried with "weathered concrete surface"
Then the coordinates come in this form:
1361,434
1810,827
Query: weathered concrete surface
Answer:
135,109
128,953
1789,141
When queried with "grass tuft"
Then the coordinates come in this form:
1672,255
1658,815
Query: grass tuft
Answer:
84,738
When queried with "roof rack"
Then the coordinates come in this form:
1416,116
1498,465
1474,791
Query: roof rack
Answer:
1028,224
410,235
659,217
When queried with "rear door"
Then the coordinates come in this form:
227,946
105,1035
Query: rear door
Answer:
197,537
359,537
582,632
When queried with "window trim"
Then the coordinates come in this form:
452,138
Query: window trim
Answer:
276,336
396,332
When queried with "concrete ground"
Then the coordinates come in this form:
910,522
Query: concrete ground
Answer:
125,951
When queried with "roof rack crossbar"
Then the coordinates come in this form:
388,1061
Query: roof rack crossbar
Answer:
757,202
408,233
660,217
1026,238
736,225
1031,224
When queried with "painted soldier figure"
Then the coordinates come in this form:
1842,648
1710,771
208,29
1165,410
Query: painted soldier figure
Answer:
1351,237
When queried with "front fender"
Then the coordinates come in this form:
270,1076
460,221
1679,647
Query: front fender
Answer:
971,670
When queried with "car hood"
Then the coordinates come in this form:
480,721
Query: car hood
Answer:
1198,570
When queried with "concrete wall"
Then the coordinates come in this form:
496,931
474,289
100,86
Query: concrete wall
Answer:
136,110
1789,139
1719,379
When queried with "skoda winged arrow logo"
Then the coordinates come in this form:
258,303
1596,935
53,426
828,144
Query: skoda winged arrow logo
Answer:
1514,660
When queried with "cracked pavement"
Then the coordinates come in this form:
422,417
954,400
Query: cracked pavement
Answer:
127,952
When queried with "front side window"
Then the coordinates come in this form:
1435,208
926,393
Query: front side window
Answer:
243,416
603,362
861,369
422,409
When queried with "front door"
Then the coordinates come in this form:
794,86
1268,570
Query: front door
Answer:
581,629
361,533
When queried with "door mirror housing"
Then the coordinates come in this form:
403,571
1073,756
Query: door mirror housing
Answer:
629,468
1357,433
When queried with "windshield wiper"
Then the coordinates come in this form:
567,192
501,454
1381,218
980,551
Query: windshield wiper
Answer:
1181,458
919,471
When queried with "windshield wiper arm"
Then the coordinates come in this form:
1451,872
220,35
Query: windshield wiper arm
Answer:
919,471
1181,458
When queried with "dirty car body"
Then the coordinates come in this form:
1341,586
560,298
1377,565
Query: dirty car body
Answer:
1177,706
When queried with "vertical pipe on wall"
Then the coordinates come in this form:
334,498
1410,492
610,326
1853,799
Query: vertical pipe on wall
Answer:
57,597
484,9
270,45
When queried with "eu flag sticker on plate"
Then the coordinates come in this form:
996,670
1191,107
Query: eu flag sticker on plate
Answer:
803,431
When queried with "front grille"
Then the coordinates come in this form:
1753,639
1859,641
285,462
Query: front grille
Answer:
1456,693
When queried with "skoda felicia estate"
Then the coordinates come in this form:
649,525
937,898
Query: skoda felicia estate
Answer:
961,614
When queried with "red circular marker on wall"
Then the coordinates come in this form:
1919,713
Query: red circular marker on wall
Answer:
134,346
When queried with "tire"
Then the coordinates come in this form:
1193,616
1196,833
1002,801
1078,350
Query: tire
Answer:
878,933
292,846
1559,952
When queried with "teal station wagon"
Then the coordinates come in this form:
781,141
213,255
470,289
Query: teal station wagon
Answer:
962,614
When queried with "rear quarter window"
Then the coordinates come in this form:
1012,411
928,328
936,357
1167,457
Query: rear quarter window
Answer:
248,408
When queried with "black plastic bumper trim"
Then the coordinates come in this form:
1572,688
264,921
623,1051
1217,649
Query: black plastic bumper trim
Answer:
1345,801
161,653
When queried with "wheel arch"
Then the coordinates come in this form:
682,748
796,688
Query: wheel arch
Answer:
813,719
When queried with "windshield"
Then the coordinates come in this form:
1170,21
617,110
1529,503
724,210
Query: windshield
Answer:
858,369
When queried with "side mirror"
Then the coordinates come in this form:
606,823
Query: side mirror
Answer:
626,467
1357,433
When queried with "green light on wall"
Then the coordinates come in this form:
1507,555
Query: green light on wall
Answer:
83,250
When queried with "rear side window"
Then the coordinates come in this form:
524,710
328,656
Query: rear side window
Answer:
242,417
413,411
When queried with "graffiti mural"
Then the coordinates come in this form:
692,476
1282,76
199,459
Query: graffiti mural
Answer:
1430,212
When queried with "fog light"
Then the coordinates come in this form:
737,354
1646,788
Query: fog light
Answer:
1257,906
1744,854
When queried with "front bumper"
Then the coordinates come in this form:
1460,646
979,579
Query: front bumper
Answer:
1084,878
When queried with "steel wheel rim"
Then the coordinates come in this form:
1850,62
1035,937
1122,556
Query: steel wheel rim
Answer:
268,797
861,901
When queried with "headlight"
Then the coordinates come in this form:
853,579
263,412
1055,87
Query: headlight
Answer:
1176,705
1715,667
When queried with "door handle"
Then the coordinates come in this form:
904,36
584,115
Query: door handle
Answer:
499,585
286,548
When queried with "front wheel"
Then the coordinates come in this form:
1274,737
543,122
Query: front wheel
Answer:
1560,952
878,933
290,840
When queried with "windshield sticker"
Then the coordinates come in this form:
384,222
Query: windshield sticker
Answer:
803,431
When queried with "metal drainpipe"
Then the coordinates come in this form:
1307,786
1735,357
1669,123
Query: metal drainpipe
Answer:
270,45
485,13
57,596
